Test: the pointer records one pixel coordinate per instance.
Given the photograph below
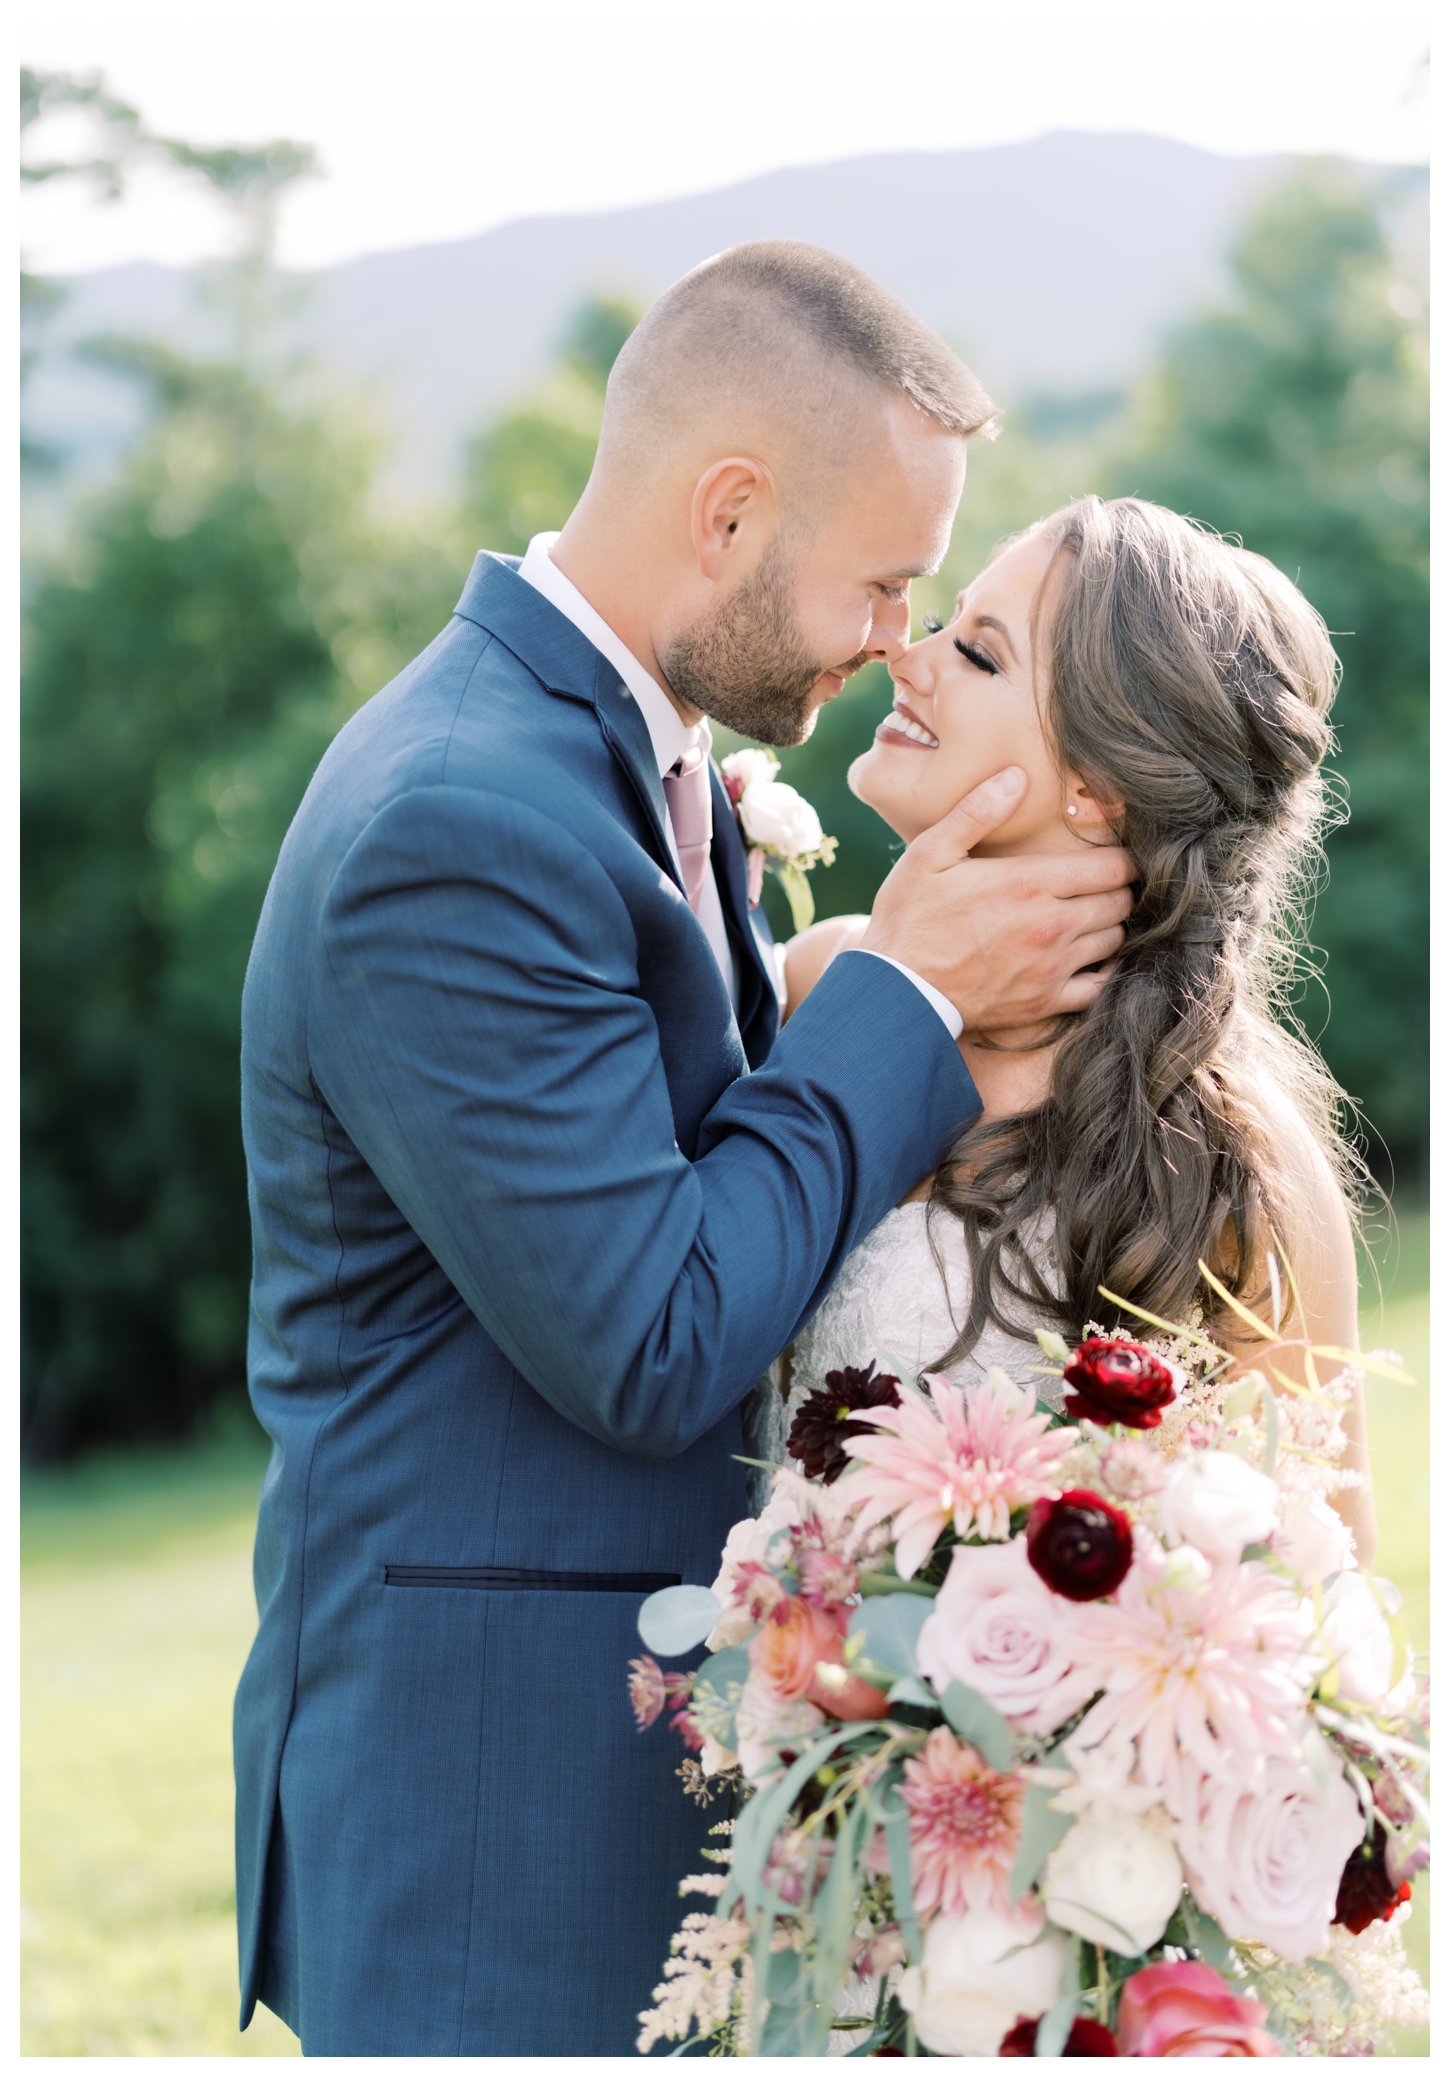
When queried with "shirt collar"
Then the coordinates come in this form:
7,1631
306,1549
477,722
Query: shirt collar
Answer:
668,734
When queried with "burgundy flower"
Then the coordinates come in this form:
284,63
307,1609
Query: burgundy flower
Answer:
1087,2038
1081,1545
1117,1381
1366,1889
823,1422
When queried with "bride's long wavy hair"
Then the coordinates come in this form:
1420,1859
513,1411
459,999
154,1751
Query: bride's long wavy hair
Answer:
1191,681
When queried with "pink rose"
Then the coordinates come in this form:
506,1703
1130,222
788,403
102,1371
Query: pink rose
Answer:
1186,2008
998,1628
1265,1855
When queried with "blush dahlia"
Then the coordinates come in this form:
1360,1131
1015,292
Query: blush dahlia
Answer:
823,1421
1081,1545
1117,1381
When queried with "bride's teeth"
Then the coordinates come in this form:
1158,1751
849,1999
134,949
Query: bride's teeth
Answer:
909,728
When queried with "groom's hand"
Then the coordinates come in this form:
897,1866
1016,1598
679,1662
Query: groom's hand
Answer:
1004,939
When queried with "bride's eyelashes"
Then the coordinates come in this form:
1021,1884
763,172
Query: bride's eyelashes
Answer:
975,656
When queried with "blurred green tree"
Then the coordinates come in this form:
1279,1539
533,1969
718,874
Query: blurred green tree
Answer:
189,653
1298,419
525,474
224,608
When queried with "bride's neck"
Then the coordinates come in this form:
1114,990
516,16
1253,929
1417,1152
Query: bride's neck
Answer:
1013,1073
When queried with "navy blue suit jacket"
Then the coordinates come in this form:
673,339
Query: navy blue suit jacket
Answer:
526,1229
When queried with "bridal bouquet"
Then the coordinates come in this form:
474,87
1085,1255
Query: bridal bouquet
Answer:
1049,1733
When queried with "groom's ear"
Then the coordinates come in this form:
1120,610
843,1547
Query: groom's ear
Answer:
732,515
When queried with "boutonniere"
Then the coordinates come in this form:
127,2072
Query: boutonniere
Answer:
781,831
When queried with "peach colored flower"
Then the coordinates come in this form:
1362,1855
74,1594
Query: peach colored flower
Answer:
968,1458
801,1652
1186,2008
786,1651
966,1825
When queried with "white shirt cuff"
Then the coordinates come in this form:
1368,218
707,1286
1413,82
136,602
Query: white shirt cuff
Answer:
945,1010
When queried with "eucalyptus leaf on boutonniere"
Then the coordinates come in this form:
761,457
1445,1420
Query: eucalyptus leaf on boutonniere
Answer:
781,830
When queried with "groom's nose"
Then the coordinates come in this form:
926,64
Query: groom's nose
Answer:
890,628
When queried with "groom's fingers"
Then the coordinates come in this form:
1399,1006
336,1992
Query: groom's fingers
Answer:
1081,991
1098,946
1004,939
973,819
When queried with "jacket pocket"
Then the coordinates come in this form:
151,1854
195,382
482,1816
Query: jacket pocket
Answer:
508,1578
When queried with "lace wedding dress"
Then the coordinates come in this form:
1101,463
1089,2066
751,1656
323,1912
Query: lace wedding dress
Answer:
895,1303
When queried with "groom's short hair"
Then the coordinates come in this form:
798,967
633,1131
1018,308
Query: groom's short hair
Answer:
795,328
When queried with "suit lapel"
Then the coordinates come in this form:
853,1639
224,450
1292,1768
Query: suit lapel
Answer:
567,662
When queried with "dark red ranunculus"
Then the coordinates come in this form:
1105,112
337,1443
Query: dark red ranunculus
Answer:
823,1422
1366,1891
1117,1381
1081,1544
1087,2038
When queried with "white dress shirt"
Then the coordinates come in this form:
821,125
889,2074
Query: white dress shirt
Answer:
669,736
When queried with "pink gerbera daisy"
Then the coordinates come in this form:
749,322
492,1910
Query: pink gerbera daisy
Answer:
967,1458
966,1825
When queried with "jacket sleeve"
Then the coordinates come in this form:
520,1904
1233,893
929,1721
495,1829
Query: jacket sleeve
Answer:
475,1022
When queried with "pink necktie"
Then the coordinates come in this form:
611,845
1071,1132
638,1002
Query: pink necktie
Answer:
687,796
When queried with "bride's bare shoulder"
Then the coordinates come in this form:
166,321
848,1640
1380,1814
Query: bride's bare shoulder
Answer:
811,951
1313,1207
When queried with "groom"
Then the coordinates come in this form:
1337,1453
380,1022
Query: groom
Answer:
538,1191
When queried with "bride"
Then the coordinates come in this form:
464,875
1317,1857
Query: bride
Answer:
1166,690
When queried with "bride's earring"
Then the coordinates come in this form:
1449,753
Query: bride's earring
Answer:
1071,809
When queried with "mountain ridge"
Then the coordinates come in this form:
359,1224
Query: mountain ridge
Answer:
1054,265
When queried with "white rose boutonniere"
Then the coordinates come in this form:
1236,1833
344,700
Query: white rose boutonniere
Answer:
782,831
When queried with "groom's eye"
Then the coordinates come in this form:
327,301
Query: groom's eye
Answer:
975,656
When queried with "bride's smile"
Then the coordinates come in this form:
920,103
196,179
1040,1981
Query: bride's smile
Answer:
968,702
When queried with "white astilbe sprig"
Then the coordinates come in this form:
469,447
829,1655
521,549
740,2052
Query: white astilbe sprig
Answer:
1340,2002
707,1981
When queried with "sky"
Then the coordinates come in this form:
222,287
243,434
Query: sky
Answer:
435,120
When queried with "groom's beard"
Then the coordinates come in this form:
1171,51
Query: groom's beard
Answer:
747,663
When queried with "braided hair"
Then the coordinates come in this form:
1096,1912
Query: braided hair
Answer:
1189,681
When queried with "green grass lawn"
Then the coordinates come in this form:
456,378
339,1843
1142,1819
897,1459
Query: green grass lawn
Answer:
137,1613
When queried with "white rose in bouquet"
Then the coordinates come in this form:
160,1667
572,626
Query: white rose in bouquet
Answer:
1218,1503
1265,1856
971,1988
998,1628
762,1720
1355,1637
775,815
1114,1879
1312,1539
748,1544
